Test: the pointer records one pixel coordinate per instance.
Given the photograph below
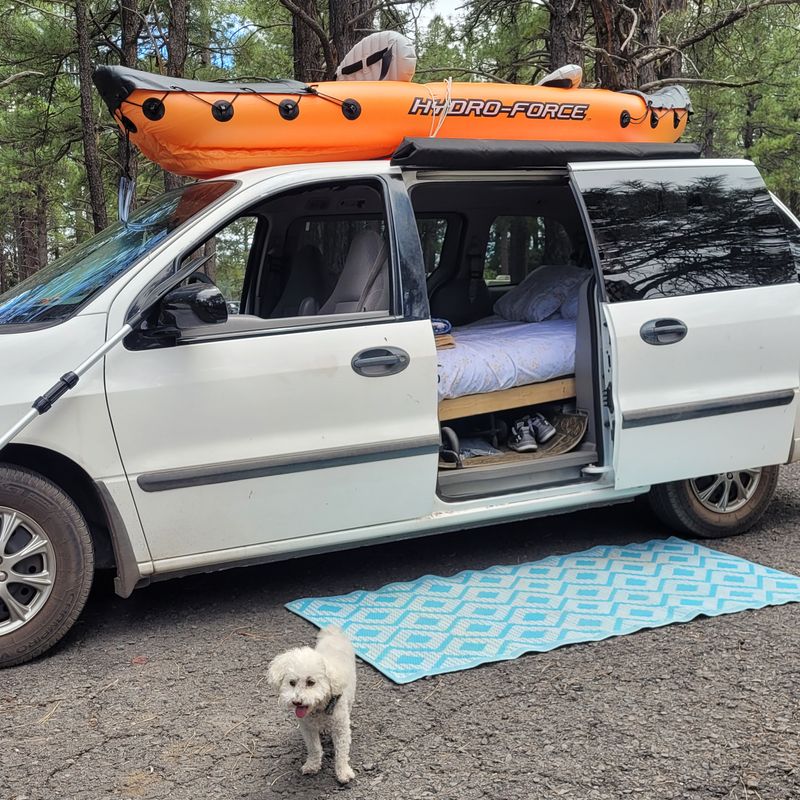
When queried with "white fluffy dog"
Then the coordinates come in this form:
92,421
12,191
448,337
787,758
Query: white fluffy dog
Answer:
319,685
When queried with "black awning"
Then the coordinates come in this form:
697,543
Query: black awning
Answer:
486,154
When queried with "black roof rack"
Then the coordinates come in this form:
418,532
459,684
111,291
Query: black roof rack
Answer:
485,154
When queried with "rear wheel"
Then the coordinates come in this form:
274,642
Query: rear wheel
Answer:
46,564
714,506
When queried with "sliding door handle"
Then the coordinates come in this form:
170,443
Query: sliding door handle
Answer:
663,331
379,361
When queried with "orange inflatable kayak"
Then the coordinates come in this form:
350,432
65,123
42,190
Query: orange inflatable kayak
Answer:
204,129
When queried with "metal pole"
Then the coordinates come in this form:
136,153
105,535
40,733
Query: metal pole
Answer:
66,382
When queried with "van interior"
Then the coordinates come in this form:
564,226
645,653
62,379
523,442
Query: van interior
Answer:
510,288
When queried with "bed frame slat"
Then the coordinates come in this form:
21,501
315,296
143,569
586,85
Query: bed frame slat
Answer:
531,395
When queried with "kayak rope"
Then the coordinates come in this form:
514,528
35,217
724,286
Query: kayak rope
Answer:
439,117
222,110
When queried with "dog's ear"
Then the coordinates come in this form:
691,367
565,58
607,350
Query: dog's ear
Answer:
337,677
276,671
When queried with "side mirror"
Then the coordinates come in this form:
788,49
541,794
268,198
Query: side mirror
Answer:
194,304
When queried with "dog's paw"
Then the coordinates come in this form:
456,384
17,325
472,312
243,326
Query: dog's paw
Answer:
311,767
345,774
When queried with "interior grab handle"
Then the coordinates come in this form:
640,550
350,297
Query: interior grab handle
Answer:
663,331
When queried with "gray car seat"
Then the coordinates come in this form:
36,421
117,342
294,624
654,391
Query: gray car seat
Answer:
305,286
364,282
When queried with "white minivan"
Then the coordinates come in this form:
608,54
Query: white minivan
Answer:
612,320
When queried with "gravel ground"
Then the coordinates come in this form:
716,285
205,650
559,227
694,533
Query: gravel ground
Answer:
163,695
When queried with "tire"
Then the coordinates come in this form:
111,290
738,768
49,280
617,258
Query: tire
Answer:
55,580
680,507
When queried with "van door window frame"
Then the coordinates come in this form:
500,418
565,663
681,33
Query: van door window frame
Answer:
408,296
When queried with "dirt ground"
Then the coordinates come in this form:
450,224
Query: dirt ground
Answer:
164,695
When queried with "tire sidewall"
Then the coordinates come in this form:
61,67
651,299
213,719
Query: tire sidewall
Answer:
69,536
710,524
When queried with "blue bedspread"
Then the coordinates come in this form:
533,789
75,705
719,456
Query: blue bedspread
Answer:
494,354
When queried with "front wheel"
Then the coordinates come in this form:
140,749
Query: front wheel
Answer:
714,506
46,564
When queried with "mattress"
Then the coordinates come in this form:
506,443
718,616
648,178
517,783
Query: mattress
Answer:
494,354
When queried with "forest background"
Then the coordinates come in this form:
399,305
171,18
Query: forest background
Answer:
61,155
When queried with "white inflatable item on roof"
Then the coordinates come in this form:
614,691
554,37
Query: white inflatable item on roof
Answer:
567,77
382,56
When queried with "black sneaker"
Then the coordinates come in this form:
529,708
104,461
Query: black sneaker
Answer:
541,428
521,437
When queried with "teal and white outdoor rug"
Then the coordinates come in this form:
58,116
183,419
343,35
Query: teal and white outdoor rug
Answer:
433,625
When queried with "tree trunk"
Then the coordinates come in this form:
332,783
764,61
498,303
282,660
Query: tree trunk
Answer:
210,249
4,282
25,233
566,33
346,18
749,133
708,129
91,154
42,205
621,28
309,65
177,49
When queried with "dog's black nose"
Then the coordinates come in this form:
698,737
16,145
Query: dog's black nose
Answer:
296,703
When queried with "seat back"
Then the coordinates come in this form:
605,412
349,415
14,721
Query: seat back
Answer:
306,280
364,282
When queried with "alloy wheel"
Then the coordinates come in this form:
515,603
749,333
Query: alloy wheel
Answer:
27,569
726,492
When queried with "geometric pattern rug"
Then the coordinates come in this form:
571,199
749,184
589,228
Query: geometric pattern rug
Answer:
433,625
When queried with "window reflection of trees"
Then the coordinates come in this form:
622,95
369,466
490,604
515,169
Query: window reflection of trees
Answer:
665,238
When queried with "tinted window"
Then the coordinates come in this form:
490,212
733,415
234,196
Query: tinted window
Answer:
55,292
517,245
793,234
667,232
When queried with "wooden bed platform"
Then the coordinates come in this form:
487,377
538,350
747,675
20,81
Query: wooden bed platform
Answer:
471,404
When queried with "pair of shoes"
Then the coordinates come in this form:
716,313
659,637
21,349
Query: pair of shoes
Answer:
530,431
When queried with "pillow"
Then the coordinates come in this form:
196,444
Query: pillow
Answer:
541,294
569,308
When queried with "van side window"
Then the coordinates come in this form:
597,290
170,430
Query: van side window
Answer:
793,235
328,252
685,230
230,253
517,245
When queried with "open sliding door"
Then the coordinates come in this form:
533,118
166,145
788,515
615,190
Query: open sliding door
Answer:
702,308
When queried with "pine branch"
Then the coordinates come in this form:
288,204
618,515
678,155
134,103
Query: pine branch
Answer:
729,19
19,75
383,6
324,41
645,87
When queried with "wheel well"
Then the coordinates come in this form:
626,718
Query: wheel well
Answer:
74,481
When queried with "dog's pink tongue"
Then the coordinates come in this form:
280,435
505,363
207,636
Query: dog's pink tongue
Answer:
301,711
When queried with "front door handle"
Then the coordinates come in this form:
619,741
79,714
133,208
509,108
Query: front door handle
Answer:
379,361
663,331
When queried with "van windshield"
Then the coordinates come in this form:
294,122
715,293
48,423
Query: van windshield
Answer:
54,293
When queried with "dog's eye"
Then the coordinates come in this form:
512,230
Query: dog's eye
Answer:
310,682
292,683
